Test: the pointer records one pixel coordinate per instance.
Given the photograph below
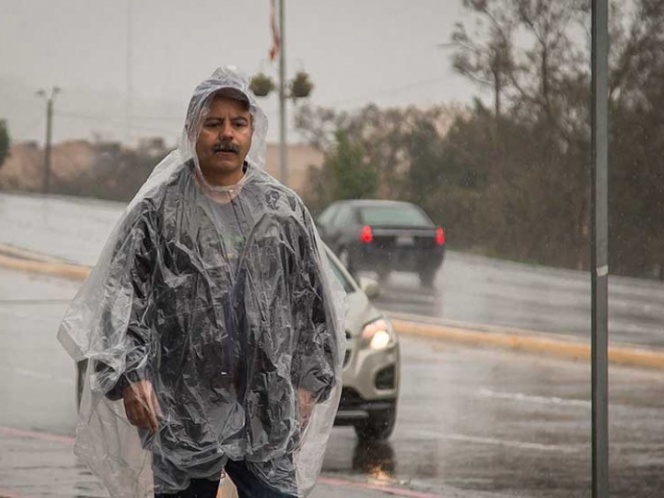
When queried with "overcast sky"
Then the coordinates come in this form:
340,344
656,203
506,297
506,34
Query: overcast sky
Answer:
356,51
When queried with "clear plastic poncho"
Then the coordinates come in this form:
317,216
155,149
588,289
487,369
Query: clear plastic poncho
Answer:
223,299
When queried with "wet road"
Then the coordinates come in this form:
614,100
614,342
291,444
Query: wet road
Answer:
70,228
470,423
479,290
512,424
38,375
469,288
37,392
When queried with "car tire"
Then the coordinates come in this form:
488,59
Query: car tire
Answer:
383,275
81,369
379,425
427,278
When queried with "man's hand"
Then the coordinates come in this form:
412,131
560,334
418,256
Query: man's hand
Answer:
306,406
141,405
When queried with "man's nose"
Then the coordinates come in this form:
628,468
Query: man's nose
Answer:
226,130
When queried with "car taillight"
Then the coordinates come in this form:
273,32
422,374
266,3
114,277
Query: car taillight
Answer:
440,236
366,235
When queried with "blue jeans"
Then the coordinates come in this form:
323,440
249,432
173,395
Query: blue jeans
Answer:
247,484
199,488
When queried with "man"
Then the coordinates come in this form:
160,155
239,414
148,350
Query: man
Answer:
212,324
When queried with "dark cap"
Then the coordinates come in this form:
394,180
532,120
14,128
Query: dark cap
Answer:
230,92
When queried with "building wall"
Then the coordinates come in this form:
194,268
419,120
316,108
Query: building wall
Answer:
299,159
23,169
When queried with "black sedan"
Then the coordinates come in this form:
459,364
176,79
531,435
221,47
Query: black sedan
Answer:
381,236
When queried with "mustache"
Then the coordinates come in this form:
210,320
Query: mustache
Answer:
226,146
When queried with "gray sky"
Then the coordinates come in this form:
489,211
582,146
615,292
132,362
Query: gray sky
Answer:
356,51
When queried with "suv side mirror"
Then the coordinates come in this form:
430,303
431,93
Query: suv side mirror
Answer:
370,287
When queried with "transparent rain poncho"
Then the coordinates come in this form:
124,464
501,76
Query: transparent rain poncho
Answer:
223,299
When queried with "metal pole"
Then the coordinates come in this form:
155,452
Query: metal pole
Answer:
47,149
128,75
599,249
283,167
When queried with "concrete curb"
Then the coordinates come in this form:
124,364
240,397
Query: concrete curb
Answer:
479,335
65,270
522,340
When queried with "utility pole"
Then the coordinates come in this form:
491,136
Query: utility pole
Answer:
128,75
50,98
283,166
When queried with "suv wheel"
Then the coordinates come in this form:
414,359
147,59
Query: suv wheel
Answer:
379,426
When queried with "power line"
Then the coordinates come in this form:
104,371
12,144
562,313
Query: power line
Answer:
119,122
381,93
98,117
390,91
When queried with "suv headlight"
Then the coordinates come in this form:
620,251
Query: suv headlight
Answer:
378,334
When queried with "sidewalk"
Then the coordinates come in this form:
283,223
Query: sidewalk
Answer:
34,464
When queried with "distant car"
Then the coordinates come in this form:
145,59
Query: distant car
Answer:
382,236
371,364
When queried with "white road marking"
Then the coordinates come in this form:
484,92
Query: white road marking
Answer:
510,443
514,444
542,400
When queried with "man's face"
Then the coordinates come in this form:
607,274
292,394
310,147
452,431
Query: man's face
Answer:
224,141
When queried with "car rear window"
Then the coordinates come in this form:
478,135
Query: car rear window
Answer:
398,215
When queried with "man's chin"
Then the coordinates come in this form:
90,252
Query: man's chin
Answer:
227,164
222,168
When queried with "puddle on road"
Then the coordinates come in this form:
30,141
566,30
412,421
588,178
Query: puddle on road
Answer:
374,459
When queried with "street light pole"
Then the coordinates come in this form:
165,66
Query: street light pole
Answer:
46,186
599,249
283,167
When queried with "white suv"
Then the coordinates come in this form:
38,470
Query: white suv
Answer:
371,368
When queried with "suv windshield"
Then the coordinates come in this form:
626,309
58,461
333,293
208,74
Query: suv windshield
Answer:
396,215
